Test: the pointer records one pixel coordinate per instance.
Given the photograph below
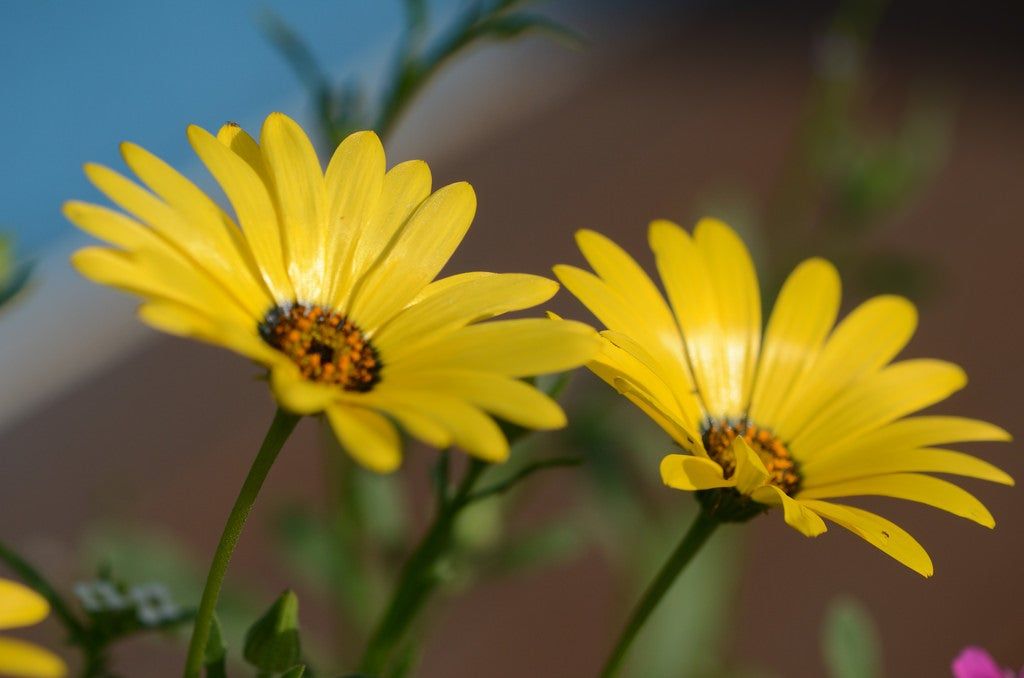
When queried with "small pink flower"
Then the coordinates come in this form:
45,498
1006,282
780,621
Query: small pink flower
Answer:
974,662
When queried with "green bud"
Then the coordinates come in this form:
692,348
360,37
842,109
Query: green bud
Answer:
272,643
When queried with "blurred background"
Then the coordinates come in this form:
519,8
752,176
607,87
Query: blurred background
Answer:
885,136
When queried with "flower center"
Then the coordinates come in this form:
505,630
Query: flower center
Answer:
328,348
782,469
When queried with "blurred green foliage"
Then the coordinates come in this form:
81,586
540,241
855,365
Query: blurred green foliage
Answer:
850,642
14,275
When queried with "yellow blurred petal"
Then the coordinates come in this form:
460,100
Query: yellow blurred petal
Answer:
20,605
686,472
299,395
863,342
509,399
298,184
884,535
750,471
802,317
247,192
420,426
799,517
20,659
924,489
688,282
876,400
370,438
515,348
471,301
739,308
416,255
913,433
882,461
354,180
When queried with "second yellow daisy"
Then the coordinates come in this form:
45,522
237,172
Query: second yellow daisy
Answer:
799,417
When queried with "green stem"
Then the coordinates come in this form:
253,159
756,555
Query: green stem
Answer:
698,533
417,580
282,426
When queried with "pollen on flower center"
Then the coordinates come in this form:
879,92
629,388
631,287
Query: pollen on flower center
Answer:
782,469
327,347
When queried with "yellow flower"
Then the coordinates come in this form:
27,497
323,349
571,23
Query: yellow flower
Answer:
807,414
327,279
21,606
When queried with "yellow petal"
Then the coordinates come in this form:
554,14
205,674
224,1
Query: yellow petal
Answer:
298,184
799,517
25,660
884,535
613,362
686,472
20,605
444,284
912,433
688,282
474,300
645,338
354,180
184,321
800,321
515,348
620,272
662,416
420,426
111,226
508,399
367,436
248,194
876,400
750,471
924,489
161,275
883,461
214,239
246,148
739,308
416,255
470,428
299,395
863,342
681,401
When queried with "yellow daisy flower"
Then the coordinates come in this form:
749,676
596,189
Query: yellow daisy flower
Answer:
327,279
805,414
21,606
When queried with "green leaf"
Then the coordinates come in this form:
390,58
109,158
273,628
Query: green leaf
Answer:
216,652
508,26
272,643
850,641
294,672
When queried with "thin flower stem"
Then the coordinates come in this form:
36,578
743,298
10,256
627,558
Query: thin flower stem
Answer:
282,426
702,528
417,580
36,581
